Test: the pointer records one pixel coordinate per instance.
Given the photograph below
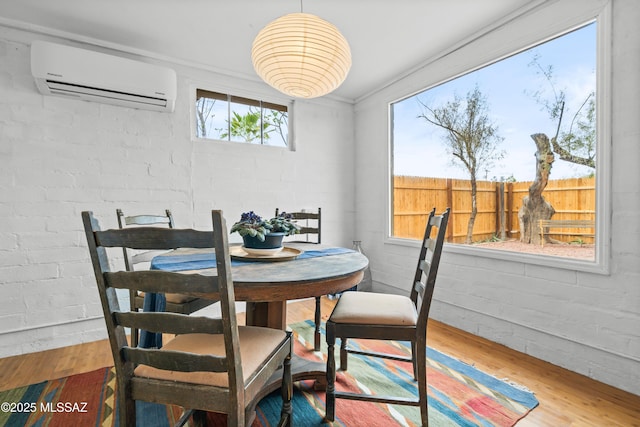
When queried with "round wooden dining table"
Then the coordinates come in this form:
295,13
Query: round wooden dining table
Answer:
267,285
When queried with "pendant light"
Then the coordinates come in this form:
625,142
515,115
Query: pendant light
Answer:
301,55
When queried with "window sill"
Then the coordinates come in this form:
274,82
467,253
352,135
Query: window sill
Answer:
599,266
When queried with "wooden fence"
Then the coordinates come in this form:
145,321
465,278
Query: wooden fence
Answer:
498,204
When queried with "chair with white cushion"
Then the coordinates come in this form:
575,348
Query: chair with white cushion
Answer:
367,315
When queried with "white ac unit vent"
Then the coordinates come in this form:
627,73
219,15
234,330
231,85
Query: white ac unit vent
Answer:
94,76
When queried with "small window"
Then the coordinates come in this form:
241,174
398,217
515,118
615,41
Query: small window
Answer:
233,118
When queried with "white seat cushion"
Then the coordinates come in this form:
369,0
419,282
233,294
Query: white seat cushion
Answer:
256,344
368,308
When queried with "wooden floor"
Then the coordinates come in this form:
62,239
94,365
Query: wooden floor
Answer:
566,398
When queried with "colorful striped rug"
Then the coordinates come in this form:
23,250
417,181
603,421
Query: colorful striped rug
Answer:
459,395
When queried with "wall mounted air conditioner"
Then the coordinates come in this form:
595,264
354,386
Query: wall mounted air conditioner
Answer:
94,76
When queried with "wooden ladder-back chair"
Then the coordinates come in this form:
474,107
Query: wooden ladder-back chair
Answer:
367,315
211,364
137,260
311,226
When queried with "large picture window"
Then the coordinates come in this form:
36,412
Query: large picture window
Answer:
511,147
226,117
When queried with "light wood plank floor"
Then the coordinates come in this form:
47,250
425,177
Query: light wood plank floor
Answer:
566,398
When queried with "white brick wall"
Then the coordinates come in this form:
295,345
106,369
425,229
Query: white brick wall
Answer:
588,323
61,156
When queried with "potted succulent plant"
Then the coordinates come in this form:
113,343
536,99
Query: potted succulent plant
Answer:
258,233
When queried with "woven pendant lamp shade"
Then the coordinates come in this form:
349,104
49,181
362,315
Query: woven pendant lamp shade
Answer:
301,55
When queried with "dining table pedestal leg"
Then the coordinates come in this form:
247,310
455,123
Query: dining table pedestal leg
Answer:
271,314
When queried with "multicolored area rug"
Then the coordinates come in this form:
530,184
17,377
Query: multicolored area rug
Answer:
459,395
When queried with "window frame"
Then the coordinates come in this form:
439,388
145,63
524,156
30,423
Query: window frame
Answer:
234,95
601,263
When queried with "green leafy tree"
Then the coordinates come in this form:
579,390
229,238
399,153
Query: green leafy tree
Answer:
248,127
471,138
254,126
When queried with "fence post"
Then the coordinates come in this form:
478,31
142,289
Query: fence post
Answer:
500,213
510,209
450,226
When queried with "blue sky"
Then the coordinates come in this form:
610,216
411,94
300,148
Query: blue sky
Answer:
508,86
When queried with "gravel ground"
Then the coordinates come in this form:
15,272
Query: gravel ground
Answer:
553,249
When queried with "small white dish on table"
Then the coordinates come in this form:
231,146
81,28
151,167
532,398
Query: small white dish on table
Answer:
284,253
262,252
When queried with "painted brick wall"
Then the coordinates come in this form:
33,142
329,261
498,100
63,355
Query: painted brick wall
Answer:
61,156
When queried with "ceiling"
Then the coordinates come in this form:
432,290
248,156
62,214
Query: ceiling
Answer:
388,38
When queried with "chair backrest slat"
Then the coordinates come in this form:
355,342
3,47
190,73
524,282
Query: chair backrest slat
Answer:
430,244
305,215
174,360
425,265
436,221
146,220
154,238
162,281
169,323
308,230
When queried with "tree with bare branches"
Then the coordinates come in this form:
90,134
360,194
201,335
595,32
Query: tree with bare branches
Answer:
204,107
471,138
575,143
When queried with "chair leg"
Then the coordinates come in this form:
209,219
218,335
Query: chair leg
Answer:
318,320
424,412
343,354
199,419
420,373
424,407
127,408
414,359
331,374
236,417
287,393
